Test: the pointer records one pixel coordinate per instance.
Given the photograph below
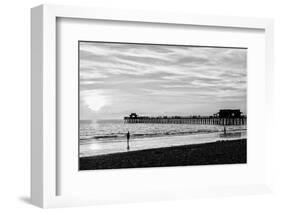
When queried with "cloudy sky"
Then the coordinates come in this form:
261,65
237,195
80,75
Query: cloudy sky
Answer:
117,79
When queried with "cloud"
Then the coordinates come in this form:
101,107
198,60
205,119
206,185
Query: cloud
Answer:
126,77
193,60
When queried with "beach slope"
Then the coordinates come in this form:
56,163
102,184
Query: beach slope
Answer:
220,152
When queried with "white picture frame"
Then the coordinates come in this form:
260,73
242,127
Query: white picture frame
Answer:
43,92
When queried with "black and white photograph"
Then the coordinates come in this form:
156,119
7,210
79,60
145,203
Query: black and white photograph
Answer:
158,105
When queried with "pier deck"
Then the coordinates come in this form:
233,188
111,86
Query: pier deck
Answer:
224,117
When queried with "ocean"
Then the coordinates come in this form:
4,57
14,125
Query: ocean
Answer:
109,136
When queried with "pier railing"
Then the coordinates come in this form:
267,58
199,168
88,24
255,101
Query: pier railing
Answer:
210,120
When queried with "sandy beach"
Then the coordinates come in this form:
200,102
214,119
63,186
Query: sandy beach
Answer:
219,152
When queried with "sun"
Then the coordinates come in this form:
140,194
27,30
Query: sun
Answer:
95,100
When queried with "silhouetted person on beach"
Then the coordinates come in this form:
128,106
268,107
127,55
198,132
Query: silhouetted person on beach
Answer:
128,141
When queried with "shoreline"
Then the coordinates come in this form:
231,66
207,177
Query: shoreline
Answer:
96,147
219,152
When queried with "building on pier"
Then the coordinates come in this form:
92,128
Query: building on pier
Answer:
228,113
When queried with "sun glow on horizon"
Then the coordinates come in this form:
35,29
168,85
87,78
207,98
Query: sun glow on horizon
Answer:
95,100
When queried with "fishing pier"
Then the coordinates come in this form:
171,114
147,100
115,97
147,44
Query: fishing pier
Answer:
223,117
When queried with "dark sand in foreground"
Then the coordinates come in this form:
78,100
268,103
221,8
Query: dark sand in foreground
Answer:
220,152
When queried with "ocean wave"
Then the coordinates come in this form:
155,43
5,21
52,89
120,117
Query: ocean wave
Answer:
119,136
